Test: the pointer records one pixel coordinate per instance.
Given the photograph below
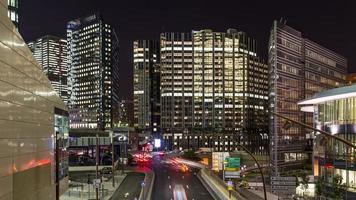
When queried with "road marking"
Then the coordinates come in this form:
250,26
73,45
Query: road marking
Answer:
169,177
170,187
127,194
188,186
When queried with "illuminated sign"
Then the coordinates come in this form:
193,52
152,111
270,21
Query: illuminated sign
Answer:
157,143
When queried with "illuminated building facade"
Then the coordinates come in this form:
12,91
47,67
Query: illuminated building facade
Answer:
92,73
13,12
214,91
334,111
146,86
30,110
51,53
298,68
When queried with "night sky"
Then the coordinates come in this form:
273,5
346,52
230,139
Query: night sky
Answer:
329,23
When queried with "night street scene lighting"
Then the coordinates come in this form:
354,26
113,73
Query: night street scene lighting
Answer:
181,100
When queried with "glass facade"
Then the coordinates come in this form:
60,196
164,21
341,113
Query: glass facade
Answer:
13,12
298,68
93,73
214,91
51,53
332,157
146,85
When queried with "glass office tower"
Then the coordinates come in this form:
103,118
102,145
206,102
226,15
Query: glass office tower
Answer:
51,53
334,111
298,68
93,73
146,86
214,91
13,12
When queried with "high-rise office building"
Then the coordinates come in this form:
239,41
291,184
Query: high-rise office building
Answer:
13,12
93,73
146,86
214,91
298,68
32,116
51,53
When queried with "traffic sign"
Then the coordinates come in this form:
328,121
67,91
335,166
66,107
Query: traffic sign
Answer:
96,183
232,164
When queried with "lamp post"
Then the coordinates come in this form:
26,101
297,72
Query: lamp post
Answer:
259,168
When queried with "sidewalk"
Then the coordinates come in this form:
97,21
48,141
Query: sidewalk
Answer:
84,191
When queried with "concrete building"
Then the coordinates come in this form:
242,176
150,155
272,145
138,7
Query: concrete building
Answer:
214,91
93,73
334,111
146,86
32,116
51,53
298,68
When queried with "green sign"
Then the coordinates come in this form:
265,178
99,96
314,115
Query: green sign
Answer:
232,164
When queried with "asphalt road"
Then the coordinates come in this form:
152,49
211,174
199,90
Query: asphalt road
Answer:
169,177
130,187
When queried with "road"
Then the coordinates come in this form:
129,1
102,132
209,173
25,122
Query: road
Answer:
130,187
170,178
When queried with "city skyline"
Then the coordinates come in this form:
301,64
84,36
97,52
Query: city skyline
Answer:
157,17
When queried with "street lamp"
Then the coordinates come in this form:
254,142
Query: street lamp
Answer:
315,129
258,166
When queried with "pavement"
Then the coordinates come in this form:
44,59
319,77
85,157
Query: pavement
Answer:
130,187
80,190
172,183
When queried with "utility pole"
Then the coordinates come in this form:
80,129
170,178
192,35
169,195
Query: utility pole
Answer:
112,158
57,165
97,163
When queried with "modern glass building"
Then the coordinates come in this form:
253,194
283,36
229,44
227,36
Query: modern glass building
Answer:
214,91
146,86
334,111
13,12
29,111
298,68
51,53
92,73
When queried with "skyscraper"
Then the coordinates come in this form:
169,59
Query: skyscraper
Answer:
51,53
13,12
93,72
146,86
298,68
214,90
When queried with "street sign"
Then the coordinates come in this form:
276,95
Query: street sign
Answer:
217,160
232,174
232,164
285,185
96,183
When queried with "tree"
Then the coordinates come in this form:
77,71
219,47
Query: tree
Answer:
319,186
337,187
